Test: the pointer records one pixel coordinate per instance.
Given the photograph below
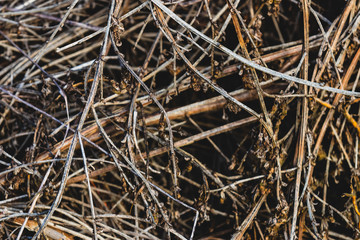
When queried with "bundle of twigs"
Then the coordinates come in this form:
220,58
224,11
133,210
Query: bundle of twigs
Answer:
179,119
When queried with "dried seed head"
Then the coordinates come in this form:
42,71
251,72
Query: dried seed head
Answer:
195,83
117,30
233,107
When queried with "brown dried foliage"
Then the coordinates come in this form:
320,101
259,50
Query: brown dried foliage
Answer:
118,121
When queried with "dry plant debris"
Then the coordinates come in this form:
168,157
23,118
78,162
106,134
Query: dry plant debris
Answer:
188,119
